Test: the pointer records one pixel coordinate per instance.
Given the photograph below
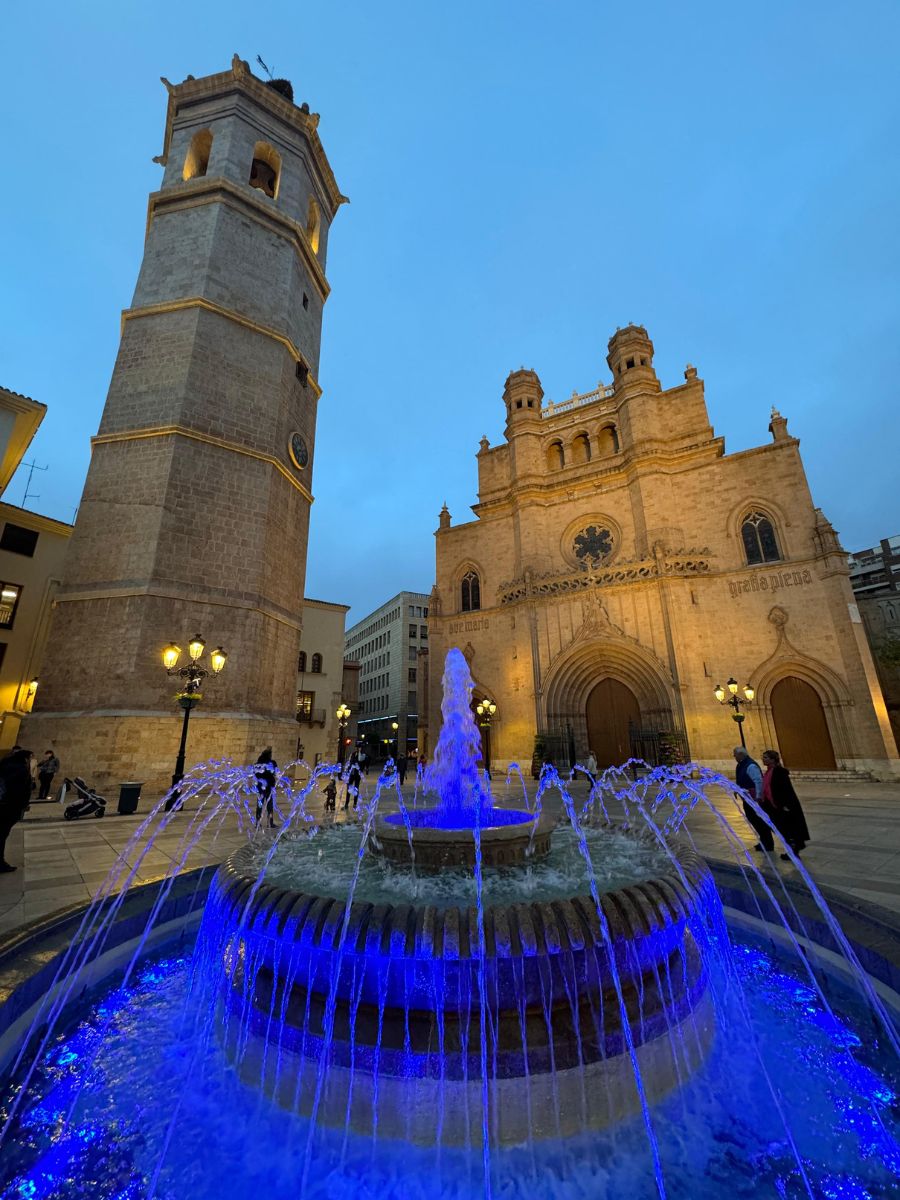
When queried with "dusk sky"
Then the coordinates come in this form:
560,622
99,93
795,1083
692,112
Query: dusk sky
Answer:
523,178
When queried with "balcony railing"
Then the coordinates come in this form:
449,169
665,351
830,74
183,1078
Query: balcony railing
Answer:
602,391
311,716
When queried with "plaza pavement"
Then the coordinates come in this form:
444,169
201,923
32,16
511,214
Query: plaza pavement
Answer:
855,828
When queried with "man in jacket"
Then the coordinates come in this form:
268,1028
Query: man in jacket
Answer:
749,779
15,794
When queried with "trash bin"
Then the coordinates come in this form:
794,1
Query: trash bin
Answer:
129,794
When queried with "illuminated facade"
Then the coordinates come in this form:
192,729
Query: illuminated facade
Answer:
621,565
195,512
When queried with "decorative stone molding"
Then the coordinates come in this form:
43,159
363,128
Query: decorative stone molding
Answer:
534,586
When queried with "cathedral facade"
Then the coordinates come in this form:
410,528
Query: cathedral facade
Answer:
621,566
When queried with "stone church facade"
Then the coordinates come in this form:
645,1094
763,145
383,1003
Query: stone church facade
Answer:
621,565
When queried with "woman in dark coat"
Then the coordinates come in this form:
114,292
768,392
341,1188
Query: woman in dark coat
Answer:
782,803
15,796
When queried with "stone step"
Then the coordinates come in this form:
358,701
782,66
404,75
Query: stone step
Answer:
832,776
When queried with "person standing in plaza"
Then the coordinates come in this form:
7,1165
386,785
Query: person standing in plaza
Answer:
15,795
779,795
402,763
354,780
266,769
591,765
749,779
47,768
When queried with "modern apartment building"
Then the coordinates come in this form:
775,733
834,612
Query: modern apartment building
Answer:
391,646
875,579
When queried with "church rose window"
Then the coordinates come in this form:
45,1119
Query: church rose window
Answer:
593,545
760,543
471,592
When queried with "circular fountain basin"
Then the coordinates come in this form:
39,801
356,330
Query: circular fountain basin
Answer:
537,991
507,837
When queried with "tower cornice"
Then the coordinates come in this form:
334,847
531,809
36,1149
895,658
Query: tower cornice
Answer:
217,189
168,306
240,79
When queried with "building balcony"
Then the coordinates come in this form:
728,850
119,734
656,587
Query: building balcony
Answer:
311,716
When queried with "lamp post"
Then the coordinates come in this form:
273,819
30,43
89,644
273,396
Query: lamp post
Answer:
394,740
190,695
733,700
485,711
343,716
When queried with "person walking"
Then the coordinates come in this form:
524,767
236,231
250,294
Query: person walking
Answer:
591,765
787,812
15,795
363,762
749,779
402,764
354,779
266,775
46,768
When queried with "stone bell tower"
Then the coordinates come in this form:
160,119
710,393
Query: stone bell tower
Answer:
195,512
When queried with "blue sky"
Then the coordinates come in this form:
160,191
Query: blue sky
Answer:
523,178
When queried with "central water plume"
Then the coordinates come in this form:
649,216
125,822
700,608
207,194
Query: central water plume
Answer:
463,795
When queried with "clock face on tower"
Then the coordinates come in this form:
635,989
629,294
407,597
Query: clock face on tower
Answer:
298,451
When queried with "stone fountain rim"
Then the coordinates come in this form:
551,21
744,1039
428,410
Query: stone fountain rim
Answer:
527,928
383,827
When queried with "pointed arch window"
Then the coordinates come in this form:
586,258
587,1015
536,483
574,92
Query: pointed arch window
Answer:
471,592
316,665
760,542
301,662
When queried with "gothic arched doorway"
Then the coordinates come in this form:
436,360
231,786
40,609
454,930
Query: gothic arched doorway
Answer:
803,737
611,708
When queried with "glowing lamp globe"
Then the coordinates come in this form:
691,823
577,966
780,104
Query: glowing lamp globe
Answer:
170,656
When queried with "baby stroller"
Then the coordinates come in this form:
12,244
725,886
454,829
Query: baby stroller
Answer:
87,804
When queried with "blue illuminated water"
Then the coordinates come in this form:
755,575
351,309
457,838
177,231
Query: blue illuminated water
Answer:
142,1097
454,775
765,1082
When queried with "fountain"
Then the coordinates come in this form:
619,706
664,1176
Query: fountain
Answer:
468,999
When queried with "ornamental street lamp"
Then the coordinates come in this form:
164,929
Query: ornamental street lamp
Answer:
343,716
395,741
190,695
486,710
733,700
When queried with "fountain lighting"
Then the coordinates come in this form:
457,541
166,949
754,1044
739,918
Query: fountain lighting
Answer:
488,996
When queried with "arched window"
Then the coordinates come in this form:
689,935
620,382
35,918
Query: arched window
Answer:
316,663
313,225
197,158
760,543
581,449
608,440
265,169
301,663
556,456
471,592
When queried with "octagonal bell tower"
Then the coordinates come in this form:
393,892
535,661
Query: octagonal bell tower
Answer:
195,512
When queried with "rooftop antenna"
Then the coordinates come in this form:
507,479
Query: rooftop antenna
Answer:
264,67
32,467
